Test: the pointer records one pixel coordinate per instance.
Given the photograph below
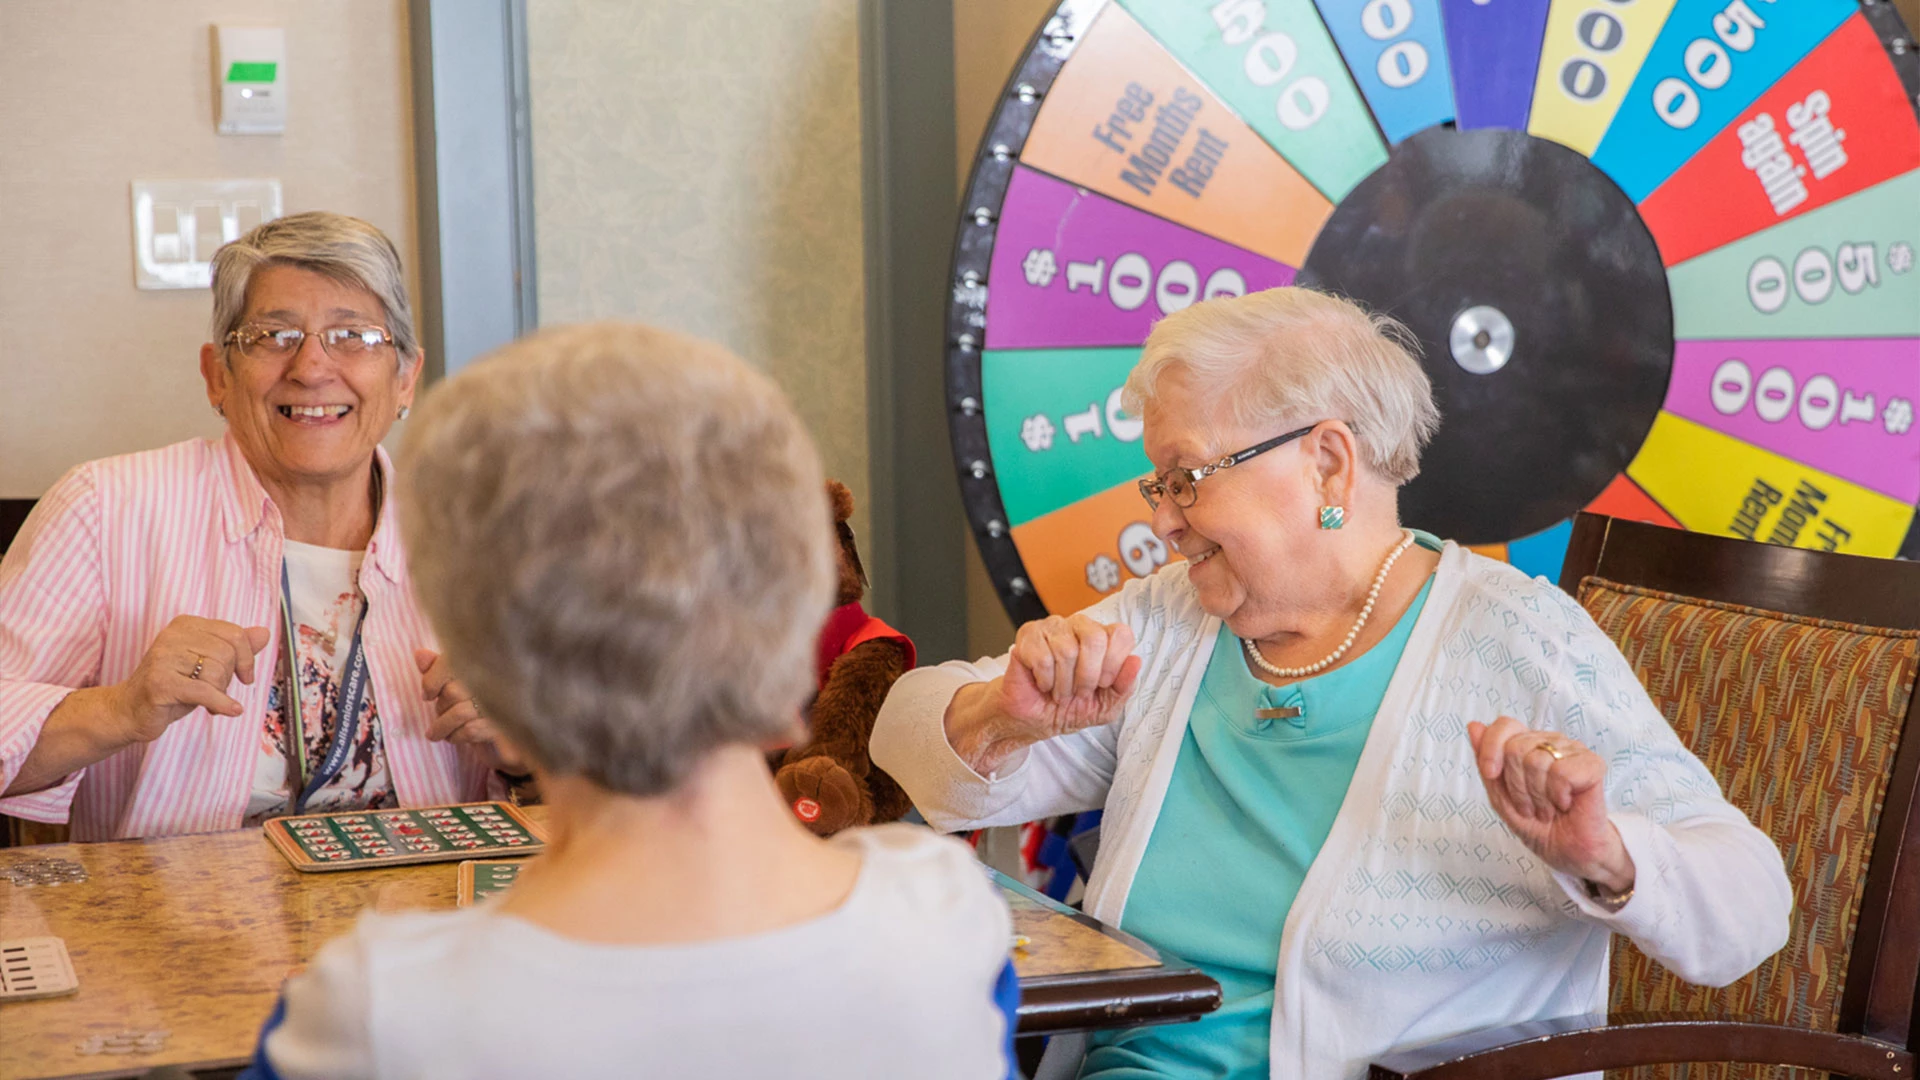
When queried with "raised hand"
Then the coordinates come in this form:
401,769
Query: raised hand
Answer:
1551,791
1069,673
189,666
457,716
1063,674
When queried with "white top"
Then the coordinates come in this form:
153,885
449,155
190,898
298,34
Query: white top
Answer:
324,584
896,982
1423,917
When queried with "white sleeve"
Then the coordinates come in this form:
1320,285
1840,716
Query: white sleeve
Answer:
1063,775
1711,899
1060,776
326,1032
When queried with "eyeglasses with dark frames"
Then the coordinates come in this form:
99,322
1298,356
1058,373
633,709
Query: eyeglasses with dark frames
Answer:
1182,485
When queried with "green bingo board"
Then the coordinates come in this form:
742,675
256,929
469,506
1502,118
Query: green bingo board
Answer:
359,839
482,878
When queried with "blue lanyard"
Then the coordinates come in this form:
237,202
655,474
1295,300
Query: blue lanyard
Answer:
348,709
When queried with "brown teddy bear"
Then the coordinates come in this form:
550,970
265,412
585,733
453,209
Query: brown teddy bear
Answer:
829,780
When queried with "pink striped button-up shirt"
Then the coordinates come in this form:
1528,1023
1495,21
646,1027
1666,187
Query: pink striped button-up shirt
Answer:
113,553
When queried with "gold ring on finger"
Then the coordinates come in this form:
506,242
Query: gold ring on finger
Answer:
1551,748
199,665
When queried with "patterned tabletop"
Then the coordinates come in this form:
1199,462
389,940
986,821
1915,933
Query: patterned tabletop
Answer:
181,945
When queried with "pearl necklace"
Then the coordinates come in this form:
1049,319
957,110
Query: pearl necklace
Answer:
1373,594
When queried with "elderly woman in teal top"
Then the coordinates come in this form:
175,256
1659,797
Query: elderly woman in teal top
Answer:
1385,790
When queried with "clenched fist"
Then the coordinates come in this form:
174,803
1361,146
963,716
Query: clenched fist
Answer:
1063,675
1551,791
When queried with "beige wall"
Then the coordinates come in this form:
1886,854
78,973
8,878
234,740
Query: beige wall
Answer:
697,165
989,37
97,93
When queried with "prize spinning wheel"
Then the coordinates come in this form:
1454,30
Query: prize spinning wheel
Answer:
1659,255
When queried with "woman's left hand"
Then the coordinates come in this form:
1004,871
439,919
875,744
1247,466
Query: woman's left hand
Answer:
1551,791
457,718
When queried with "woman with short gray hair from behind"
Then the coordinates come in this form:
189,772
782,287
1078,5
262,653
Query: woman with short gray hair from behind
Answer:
622,540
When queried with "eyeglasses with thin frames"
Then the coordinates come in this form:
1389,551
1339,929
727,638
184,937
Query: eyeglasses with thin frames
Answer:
1182,485
280,343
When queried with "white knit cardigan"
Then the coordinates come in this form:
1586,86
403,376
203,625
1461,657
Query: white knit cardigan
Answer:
1423,917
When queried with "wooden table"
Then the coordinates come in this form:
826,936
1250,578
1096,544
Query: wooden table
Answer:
193,935
1079,974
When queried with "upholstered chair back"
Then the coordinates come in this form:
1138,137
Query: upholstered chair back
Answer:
1799,719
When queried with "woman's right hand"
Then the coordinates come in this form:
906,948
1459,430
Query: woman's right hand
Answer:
163,688
1063,675
95,723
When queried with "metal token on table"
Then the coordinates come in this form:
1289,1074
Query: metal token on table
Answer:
124,1042
32,872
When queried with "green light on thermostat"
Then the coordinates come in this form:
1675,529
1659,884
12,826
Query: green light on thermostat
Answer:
255,72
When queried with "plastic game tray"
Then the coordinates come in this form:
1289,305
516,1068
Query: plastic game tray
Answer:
35,967
483,878
366,838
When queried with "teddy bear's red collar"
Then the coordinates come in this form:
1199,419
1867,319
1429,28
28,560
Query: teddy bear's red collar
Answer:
849,626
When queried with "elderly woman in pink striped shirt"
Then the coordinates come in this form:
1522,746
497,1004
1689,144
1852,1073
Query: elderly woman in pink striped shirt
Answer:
204,635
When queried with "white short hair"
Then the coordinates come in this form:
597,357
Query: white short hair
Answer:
623,539
343,248
1293,356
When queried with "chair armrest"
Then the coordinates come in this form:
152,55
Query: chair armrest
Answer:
1544,1049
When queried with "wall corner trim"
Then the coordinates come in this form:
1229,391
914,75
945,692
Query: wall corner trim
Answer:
909,168
473,153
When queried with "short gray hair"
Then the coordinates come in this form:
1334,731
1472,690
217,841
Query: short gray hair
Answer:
343,248
622,536
1292,356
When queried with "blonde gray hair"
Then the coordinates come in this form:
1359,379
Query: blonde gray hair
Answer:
622,538
1293,356
343,248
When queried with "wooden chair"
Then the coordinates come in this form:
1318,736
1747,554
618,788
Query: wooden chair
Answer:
13,514
18,832
1791,674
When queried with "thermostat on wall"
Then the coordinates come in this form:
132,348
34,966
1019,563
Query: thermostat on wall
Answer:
250,72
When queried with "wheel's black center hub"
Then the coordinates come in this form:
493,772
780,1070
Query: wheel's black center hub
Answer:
1542,308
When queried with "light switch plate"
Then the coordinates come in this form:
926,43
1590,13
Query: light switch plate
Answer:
177,225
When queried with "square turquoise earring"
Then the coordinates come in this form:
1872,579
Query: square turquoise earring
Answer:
1332,517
